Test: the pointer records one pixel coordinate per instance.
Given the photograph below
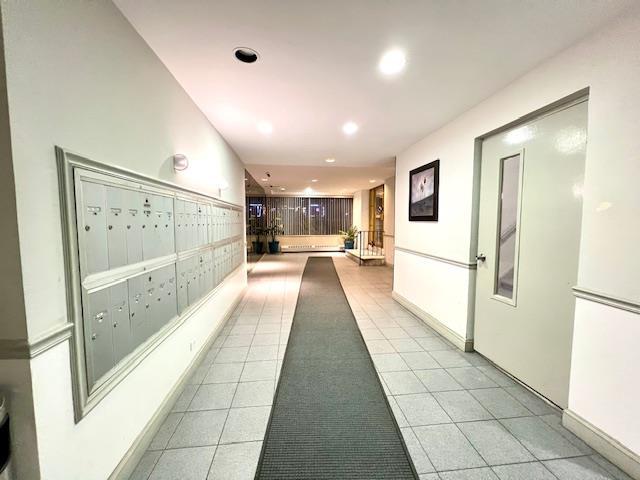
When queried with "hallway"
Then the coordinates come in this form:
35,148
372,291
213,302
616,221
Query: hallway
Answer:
460,417
169,168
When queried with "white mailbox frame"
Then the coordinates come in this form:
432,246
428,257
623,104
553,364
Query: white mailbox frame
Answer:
72,168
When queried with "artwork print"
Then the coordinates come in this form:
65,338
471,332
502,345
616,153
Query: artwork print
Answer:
423,192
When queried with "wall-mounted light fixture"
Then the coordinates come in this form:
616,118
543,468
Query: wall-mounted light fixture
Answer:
180,162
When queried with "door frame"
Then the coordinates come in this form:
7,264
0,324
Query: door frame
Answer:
564,102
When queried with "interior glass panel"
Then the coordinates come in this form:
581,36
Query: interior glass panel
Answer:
508,226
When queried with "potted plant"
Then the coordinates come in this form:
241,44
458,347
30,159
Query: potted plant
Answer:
349,237
274,229
258,245
256,231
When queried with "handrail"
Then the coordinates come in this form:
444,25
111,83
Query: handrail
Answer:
369,242
508,233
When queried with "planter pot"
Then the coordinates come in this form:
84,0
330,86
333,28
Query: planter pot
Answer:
274,247
348,244
258,247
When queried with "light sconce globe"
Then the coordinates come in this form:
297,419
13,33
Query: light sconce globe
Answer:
180,162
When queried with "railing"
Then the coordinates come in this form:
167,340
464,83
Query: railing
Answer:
369,243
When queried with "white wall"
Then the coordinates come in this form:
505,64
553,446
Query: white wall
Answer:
607,62
13,325
361,209
91,449
79,76
389,219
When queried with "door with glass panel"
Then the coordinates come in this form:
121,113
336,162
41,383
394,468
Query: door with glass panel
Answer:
528,240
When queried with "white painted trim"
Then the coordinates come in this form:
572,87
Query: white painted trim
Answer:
23,349
130,460
466,345
605,299
457,263
608,447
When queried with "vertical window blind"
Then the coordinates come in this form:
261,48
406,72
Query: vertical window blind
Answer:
300,215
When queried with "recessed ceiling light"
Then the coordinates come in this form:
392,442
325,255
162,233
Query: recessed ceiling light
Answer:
264,179
245,55
265,128
308,190
330,160
282,189
372,181
350,128
392,62
314,180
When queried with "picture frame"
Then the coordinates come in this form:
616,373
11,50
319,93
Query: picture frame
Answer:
424,183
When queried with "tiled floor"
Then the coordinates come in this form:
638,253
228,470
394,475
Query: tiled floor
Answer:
460,417
216,428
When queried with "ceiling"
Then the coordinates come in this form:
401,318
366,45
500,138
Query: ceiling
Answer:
318,67
330,180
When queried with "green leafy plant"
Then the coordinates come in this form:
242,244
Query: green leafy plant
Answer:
274,229
350,234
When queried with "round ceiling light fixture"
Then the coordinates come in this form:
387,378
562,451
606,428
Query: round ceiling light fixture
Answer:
392,62
330,160
350,128
246,55
265,128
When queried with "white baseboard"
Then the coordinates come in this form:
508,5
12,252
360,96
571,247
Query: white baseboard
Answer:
464,344
131,459
606,446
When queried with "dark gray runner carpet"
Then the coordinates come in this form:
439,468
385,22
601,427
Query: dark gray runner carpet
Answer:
330,418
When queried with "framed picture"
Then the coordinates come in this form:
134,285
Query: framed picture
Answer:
423,192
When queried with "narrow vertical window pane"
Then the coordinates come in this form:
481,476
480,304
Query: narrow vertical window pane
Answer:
508,233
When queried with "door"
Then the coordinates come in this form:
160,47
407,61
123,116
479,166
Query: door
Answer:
528,240
376,215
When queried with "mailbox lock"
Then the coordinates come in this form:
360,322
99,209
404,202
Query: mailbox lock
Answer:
115,325
128,227
87,228
110,227
93,336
